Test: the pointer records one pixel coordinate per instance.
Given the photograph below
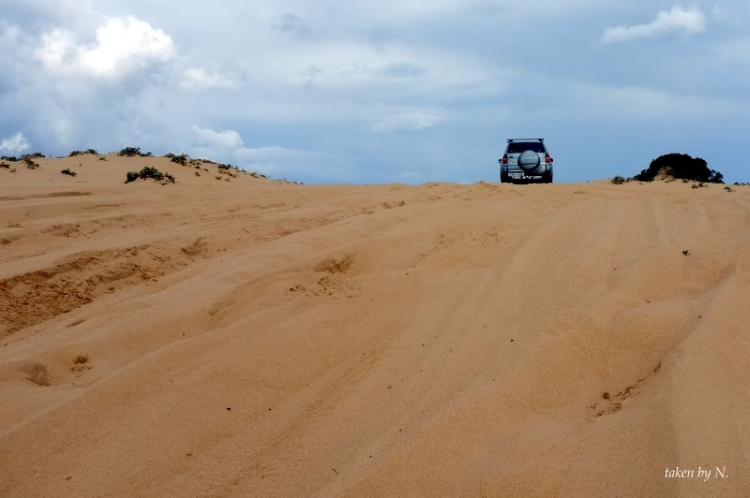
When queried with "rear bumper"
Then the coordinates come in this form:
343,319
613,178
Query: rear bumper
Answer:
514,173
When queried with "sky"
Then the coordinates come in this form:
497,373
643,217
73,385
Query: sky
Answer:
336,91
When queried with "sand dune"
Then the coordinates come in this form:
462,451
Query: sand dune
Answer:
256,338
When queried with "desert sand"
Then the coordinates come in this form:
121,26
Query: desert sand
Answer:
257,338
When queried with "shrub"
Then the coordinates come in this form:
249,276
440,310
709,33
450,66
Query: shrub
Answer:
618,180
93,152
30,163
181,159
102,158
12,159
149,172
33,155
130,151
683,167
4,165
67,171
169,155
133,151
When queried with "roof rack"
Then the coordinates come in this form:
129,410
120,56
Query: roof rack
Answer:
524,139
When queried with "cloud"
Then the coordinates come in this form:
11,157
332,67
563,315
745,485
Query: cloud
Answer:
123,44
677,19
200,79
227,146
291,23
15,144
228,139
406,121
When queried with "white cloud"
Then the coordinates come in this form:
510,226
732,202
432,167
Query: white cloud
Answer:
123,44
227,146
406,121
228,139
15,144
677,19
200,79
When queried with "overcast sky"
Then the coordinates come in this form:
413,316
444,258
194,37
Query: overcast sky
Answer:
393,90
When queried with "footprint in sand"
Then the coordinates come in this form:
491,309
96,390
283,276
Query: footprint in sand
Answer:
39,375
80,364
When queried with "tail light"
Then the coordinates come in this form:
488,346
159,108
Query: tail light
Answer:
547,159
505,159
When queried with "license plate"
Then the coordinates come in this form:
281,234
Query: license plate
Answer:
516,176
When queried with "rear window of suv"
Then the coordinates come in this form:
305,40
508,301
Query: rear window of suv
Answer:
518,147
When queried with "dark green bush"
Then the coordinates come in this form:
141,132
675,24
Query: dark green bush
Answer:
182,159
130,151
12,159
30,163
93,152
683,166
67,171
618,180
150,172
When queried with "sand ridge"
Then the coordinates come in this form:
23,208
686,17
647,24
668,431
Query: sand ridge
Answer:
256,338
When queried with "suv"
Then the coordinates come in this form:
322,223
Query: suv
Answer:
526,159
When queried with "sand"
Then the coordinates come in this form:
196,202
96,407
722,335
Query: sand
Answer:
256,338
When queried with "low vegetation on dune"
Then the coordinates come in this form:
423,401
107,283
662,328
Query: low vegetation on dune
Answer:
68,172
680,166
150,172
12,159
182,159
133,151
30,163
75,153
671,167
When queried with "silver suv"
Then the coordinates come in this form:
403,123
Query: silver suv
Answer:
526,159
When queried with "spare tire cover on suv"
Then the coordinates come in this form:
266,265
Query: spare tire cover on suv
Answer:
529,160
